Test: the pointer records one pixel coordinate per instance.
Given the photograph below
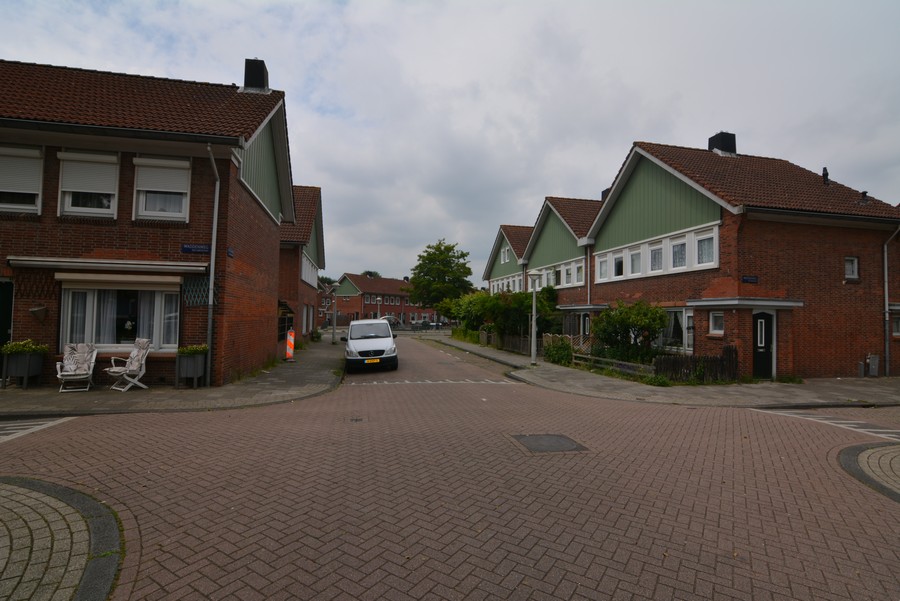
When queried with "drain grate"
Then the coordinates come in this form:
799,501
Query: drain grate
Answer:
548,443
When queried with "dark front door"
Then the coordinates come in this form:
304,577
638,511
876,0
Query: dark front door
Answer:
763,334
6,297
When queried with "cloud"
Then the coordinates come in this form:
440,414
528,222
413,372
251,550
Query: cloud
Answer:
429,120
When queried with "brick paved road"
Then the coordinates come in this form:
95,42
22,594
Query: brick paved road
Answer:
419,491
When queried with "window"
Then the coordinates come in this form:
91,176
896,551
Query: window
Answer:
851,268
367,299
579,274
557,277
618,266
716,322
602,268
20,179
705,251
162,188
895,320
114,318
679,254
568,276
679,331
88,183
635,262
656,258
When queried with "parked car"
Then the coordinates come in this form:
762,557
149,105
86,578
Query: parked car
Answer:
370,343
391,320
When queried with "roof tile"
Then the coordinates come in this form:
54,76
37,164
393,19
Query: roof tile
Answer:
64,95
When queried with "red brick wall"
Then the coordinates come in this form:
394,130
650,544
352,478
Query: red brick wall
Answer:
839,323
247,321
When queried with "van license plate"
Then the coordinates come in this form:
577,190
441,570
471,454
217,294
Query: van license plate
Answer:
373,360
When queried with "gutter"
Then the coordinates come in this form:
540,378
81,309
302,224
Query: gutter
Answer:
887,308
102,130
212,267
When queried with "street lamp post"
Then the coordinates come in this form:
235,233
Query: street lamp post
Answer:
333,316
378,300
534,280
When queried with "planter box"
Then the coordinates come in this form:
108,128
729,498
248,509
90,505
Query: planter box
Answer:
23,366
191,366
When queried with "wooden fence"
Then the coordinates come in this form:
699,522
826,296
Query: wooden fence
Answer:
691,368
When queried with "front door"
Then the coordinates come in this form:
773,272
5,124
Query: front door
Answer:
763,347
6,300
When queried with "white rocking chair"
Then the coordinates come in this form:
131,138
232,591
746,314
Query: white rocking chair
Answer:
132,370
76,371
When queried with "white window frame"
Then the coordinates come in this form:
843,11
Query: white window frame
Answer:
664,251
714,327
851,268
88,172
701,237
161,175
634,256
895,321
90,318
22,172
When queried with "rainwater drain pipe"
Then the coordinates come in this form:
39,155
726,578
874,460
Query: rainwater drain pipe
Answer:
887,309
212,268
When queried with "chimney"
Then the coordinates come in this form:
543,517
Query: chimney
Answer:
864,197
256,76
723,142
825,175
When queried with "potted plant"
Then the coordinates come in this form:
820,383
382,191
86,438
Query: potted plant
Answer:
192,361
23,359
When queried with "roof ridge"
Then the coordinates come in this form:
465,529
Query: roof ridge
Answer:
121,74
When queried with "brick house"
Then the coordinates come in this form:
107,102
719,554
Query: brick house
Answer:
364,297
799,272
505,269
302,256
124,199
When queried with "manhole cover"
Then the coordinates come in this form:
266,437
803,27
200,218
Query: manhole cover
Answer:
548,443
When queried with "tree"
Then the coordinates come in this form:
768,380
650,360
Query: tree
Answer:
371,274
441,273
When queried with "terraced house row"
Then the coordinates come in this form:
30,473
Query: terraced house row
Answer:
799,272
141,207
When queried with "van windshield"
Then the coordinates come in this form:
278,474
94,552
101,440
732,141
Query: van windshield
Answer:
370,330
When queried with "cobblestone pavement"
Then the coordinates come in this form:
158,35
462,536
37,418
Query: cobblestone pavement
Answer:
401,489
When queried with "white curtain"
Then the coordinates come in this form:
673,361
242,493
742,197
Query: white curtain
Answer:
146,314
77,316
106,316
163,202
170,319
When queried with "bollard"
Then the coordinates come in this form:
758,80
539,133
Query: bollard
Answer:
289,349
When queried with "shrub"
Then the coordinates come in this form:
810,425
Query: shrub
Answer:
559,351
193,349
24,346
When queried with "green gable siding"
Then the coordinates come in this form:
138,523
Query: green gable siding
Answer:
346,288
260,171
554,244
654,203
312,250
501,270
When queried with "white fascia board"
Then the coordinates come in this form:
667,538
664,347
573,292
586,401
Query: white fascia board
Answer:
745,302
107,264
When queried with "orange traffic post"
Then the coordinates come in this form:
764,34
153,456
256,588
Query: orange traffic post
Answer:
289,349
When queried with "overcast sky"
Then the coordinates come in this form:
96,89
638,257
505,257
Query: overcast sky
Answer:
423,120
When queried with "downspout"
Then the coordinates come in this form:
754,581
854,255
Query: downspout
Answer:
212,267
588,281
887,308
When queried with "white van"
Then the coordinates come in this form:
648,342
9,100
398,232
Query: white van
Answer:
370,343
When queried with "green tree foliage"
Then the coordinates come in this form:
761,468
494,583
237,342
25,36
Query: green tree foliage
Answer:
371,274
628,331
442,273
506,312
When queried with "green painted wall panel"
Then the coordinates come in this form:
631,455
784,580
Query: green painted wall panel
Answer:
554,244
346,288
654,203
260,171
501,270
